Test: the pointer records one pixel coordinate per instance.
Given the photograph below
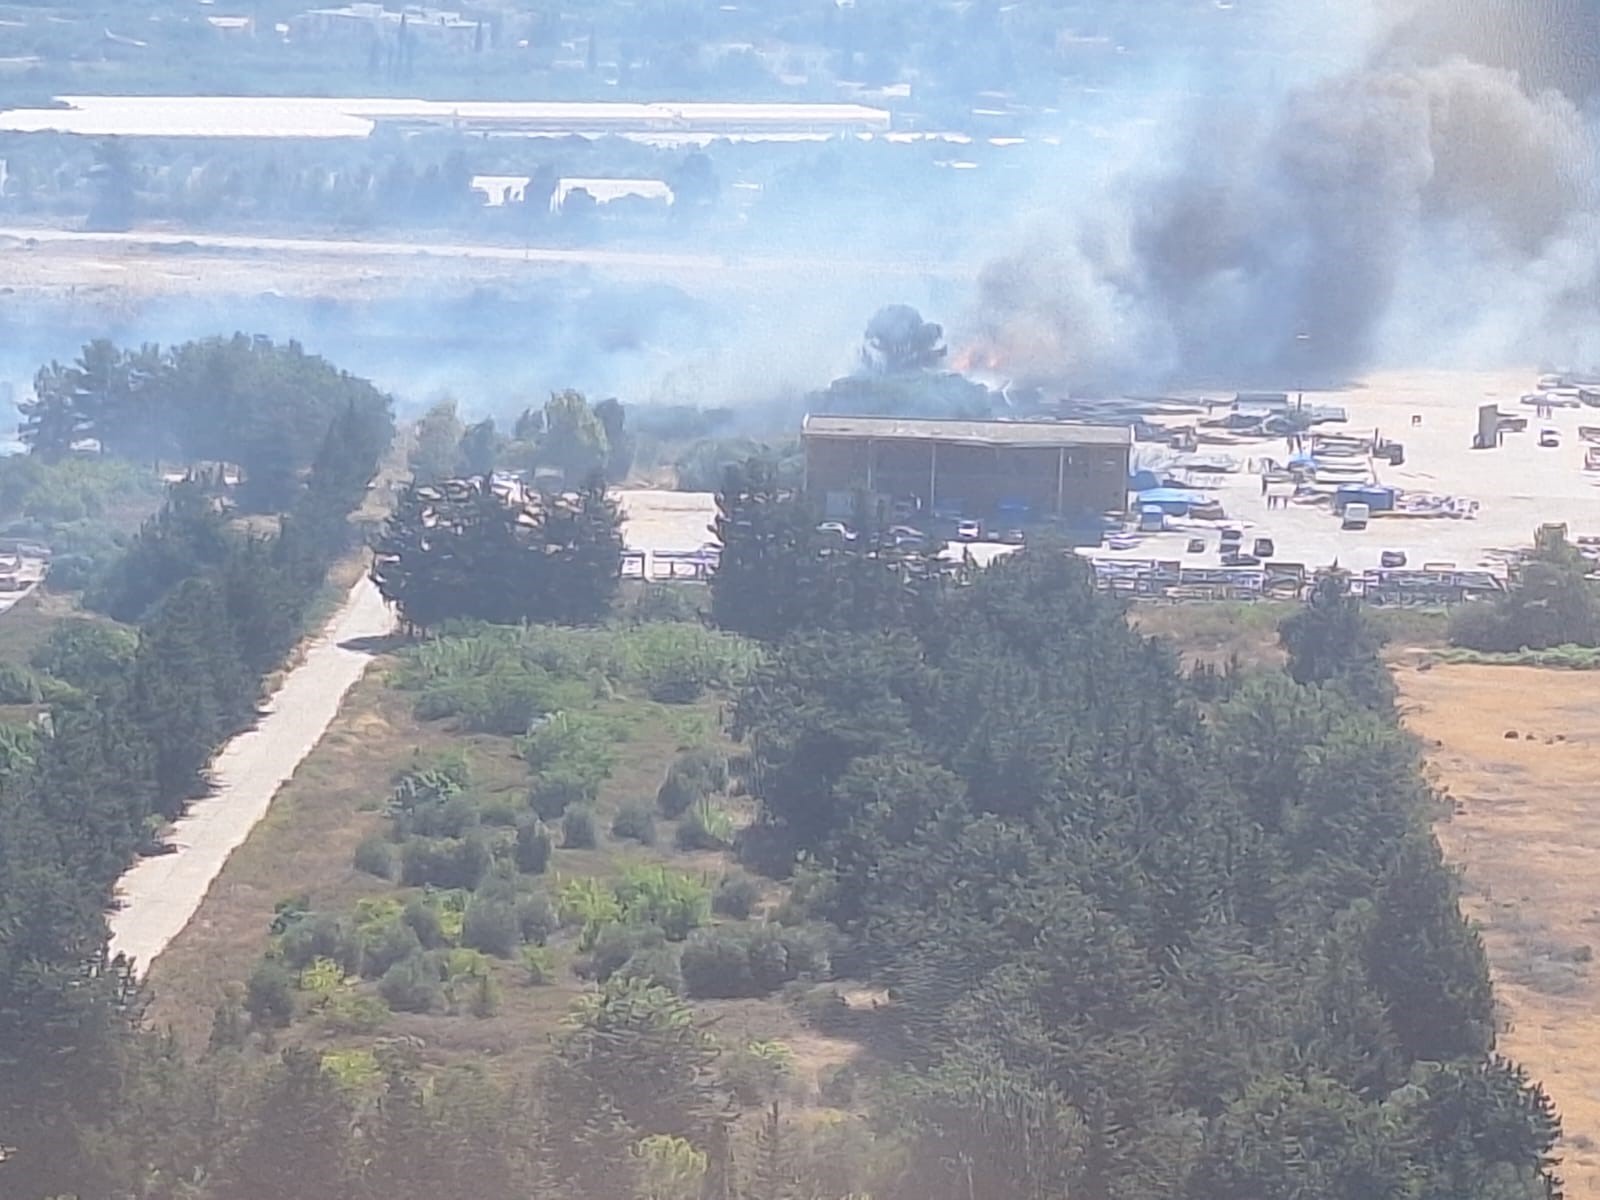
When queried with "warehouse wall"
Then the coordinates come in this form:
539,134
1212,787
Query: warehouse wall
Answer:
981,478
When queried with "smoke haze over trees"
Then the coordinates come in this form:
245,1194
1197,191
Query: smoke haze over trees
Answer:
1269,192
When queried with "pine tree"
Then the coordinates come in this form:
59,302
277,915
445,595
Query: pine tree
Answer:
1426,960
584,538
296,1143
190,688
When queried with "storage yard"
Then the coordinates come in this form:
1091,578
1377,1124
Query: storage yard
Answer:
1462,509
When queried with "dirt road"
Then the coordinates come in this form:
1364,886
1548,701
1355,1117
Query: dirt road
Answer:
1526,834
98,259
160,895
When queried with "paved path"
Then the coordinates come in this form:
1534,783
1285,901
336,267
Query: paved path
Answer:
161,894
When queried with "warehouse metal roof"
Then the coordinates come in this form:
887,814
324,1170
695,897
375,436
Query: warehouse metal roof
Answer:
1046,434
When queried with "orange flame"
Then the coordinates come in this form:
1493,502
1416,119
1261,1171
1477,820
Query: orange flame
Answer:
976,357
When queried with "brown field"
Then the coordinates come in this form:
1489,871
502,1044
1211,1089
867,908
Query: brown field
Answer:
1525,831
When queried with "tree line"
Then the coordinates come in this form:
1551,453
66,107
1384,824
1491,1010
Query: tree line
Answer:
1144,934
122,747
469,549
242,400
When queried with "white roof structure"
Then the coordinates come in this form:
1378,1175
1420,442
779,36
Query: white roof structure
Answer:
352,117
1043,434
606,190
500,189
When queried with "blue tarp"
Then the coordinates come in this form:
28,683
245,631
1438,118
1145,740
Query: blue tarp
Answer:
1176,501
1171,495
1379,499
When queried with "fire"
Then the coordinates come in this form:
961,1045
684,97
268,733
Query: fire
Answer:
976,358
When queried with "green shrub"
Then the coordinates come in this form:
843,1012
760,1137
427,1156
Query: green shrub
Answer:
533,845
506,702
635,821
705,827
445,862
538,965
805,955
536,917
615,945
429,782
422,919
677,689
678,792
269,994
376,856
716,964
469,983
18,685
500,810
707,764
491,925
571,755
452,818
321,935
386,943
412,985
354,1012
579,830
668,899
736,896
589,904
727,964
86,654
289,911
656,965
668,603
812,896
557,790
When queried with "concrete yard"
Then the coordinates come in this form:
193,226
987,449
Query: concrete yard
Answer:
1517,486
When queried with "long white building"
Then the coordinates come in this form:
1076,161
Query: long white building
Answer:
336,117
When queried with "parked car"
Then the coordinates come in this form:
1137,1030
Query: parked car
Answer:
1356,515
1197,546
1263,548
1231,537
1237,558
1014,537
1392,558
969,531
904,535
837,529
1549,438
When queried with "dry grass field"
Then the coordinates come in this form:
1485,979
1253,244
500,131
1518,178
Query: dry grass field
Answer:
1525,831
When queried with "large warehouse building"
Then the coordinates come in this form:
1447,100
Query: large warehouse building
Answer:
1020,469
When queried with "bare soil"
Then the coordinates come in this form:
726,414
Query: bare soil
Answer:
1525,832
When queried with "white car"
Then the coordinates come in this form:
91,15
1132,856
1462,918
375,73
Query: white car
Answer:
969,531
837,529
